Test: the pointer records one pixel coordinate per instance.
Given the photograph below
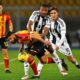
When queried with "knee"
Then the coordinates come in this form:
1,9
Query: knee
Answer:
43,61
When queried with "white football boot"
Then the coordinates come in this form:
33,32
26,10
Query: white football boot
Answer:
25,77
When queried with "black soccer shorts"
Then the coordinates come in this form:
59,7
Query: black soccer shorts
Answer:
3,43
37,49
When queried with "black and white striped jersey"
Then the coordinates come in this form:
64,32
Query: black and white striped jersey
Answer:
57,29
38,21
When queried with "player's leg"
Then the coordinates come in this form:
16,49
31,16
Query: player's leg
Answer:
31,52
39,67
65,49
74,61
62,60
44,59
57,60
26,69
4,45
29,58
33,65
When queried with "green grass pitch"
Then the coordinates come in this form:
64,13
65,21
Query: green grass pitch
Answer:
49,72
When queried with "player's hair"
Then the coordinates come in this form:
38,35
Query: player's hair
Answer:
44,5
15,40
54,8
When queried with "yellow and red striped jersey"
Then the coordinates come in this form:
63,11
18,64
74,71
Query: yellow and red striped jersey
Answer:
23,35
4,19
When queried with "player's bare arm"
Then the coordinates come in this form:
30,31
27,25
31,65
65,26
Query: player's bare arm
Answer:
38,37
45,31
11,26
29,25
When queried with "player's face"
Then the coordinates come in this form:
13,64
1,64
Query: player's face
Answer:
43,11
11,38
1,8
54,15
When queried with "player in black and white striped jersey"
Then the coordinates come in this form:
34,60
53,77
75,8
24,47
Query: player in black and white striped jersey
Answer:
57,28
37,21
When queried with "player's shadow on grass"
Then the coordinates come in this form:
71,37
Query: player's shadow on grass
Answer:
33,78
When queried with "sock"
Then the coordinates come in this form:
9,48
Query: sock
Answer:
39,67
33,66
26,68
50,60
6,64
76,63
57,60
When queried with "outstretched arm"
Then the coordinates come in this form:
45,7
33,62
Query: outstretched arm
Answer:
9,21
37,36
30,23
45,31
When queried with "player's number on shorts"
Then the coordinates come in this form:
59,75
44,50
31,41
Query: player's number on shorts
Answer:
6,43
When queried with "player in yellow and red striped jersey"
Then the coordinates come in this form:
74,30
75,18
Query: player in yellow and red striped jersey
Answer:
28,38
4,20
25,37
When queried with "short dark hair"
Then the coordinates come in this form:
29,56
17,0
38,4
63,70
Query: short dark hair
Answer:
44,5
54,8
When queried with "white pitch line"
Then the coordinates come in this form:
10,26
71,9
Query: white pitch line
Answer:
11,60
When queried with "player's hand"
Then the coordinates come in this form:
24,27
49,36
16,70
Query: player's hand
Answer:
19,54
57,47
47,43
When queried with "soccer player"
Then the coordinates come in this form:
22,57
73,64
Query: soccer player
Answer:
4,20
28,38
36,22
57,28
38,19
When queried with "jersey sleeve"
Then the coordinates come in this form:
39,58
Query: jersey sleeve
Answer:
63,32
8,19
48,23
63,28
33,16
